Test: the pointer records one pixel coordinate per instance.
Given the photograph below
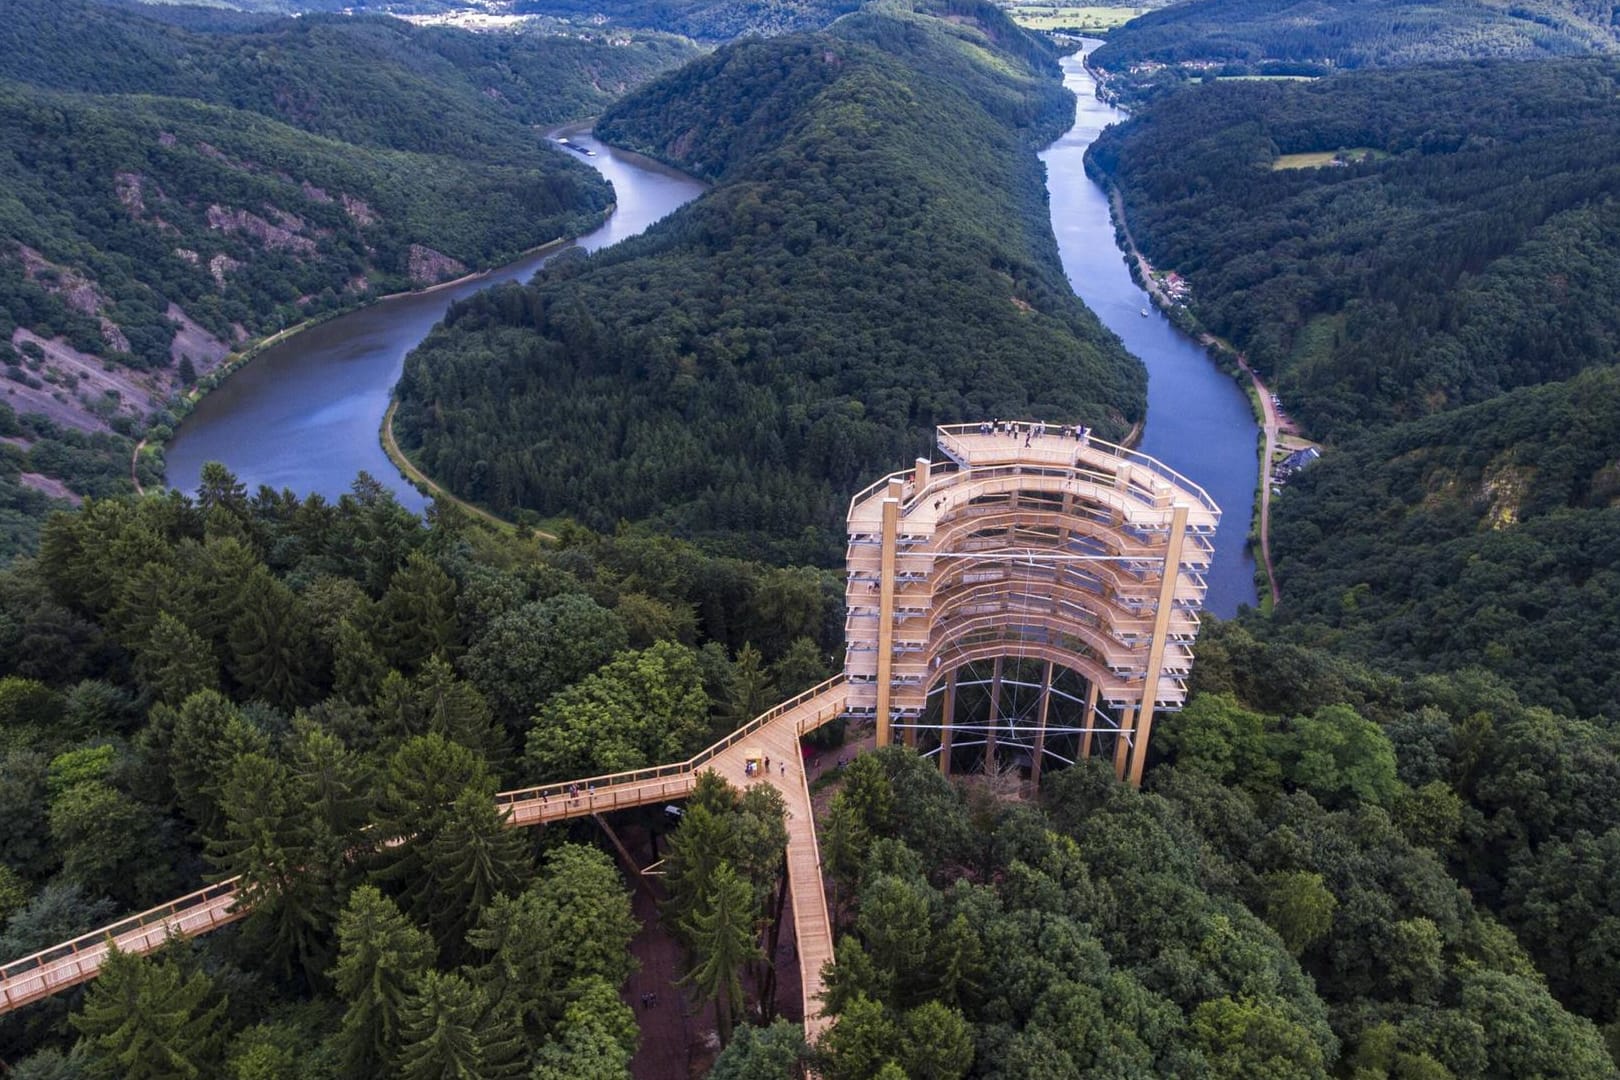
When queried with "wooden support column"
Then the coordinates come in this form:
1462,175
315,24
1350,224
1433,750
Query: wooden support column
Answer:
885,642
1090,718
1040,729
635,871
1120,743
949,709
995,713
1161,631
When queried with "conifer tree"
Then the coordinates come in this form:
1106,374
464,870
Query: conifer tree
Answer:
470,860
358,667
145,1019
173,662
416,618
269,644
722,936
752,690
290,864
447,1032
381,955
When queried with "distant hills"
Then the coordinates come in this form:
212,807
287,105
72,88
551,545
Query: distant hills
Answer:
1230,37
874,259
172,186
705,20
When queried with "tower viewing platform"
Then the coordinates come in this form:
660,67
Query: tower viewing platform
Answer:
1031,557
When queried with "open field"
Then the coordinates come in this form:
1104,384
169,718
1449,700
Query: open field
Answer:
1072,16
1320,158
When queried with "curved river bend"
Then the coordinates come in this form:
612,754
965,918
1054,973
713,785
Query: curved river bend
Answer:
305,414
1199,421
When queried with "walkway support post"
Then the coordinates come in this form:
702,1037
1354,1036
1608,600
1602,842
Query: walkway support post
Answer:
1161,628
1122,740
949,710
1090,718
995,716
1040,729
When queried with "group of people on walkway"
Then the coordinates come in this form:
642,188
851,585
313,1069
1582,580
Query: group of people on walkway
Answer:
1032,431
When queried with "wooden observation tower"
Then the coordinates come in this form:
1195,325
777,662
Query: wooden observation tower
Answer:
1032,597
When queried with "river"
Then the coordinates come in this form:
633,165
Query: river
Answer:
1199,421
305,413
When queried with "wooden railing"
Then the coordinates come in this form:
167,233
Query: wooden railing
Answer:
76,961
72,962
602,786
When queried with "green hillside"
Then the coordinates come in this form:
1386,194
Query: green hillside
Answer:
170,187
874,259
1165,48
1473,254
1488,537
706,20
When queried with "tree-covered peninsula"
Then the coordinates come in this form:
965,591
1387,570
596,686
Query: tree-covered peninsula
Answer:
874,259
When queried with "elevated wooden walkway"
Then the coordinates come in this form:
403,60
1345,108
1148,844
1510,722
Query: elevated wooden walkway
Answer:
774,734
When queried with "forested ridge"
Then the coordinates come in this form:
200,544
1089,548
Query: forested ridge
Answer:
874,259
1485,537
171,188
1441,309
1475,258
242,684
710,20
1163,49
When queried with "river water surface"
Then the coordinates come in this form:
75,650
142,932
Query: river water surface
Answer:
305,413
1198,420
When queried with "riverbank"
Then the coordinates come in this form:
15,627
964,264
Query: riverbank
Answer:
426,485
184,404
1221,353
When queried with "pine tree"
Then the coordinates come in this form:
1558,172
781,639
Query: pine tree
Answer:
752,691
449,1031
333,781
380,957
269,644
696,851
426,780
173,662
291,866
473,858
207,734
456,710
722,936
358,667
416,618
143,1019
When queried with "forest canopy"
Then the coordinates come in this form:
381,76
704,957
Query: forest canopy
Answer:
1164,49
1466,249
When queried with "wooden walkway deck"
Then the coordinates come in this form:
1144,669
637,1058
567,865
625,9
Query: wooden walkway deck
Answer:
774,735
